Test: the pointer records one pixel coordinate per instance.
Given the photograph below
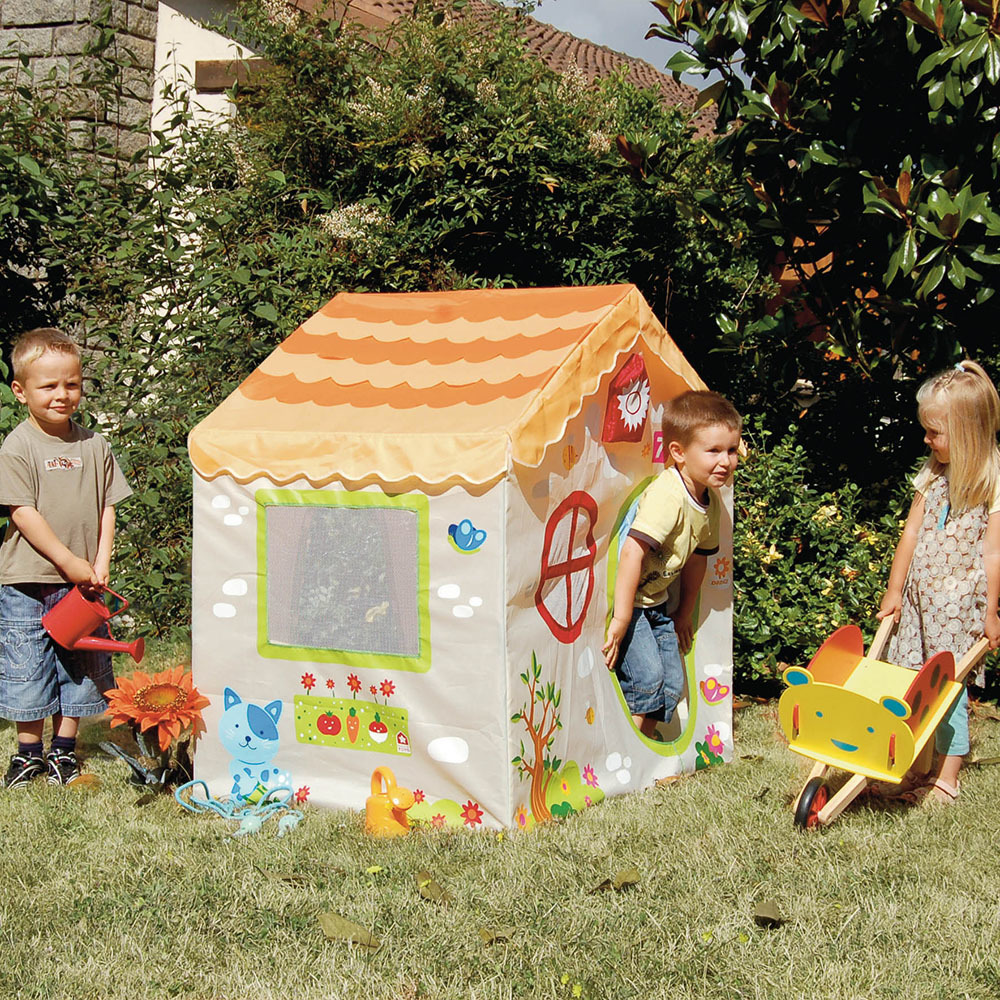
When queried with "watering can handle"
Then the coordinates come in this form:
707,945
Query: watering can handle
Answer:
379,775
107,590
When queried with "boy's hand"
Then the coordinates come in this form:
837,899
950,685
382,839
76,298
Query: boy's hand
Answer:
102,570
616,632
684,628
892,604
78,570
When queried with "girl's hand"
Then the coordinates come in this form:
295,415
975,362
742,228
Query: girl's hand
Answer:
616,632
992,630
892,604
685,631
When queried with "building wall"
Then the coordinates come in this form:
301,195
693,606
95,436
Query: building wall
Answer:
55,36
181,40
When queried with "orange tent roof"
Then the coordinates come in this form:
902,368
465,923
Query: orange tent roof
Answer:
432,387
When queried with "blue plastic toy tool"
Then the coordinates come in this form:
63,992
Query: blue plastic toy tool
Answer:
251,816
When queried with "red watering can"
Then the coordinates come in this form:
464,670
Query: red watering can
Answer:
73,620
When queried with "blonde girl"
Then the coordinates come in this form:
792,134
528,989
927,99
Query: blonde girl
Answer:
945,578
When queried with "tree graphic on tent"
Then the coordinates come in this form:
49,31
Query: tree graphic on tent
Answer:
538,713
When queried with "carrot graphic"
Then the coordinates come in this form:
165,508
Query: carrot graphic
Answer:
353,725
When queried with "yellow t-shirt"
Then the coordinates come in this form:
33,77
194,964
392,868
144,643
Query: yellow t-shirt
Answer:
675,526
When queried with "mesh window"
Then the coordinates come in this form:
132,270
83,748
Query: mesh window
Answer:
343,578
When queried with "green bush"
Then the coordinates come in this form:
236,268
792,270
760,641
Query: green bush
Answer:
447,160
806,560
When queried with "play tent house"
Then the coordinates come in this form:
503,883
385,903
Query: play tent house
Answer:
406,531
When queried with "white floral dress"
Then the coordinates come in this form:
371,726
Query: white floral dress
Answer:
944,598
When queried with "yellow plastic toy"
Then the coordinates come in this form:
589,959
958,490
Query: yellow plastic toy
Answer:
385,811
864,715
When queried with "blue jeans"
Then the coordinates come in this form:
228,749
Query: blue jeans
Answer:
650,669
39,678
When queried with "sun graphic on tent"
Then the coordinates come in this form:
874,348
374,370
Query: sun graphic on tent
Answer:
633,402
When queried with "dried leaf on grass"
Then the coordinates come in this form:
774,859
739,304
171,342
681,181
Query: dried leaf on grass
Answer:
337,928
625,879
767,914
984,762
981,710
431,890
296,878
747,700
668,780
497,935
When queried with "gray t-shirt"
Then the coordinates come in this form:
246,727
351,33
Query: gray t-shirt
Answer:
68,482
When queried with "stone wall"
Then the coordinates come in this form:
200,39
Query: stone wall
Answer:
56,36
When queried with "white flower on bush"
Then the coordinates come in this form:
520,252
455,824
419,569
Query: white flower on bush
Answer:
486,92
573,83
353,222
598,142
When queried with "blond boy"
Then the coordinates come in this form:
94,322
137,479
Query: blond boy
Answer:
60,484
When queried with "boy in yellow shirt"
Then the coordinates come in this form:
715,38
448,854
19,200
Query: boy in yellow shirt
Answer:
676,528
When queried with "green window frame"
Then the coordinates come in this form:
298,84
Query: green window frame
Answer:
268,499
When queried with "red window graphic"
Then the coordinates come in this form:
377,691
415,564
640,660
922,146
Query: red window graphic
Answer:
566,582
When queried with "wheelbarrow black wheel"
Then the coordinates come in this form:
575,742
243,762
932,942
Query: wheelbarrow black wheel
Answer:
811,801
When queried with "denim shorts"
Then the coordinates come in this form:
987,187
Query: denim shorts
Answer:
952,736
650,669
39,678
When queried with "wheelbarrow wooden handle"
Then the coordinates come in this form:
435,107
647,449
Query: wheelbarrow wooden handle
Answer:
968,662
877,649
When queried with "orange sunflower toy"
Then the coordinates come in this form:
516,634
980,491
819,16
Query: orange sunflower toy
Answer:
168,703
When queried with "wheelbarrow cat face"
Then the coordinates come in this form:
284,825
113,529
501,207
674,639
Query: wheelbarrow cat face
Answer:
840,727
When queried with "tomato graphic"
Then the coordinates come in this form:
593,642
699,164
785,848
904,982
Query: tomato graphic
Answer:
328,724
378,730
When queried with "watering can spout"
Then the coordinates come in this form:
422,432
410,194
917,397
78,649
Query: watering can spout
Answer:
134,649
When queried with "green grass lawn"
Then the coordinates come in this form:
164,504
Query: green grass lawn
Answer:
104,898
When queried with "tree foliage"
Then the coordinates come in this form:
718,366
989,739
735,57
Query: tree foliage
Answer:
868,132
444,159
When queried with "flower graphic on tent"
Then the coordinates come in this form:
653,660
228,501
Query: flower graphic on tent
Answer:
308,681
373,690
330,684
633,403
589,776
521,817
472,815
437,821
354,684
418,795
388,689
302,794
714,741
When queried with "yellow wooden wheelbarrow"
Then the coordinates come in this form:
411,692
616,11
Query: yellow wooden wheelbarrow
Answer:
861,714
